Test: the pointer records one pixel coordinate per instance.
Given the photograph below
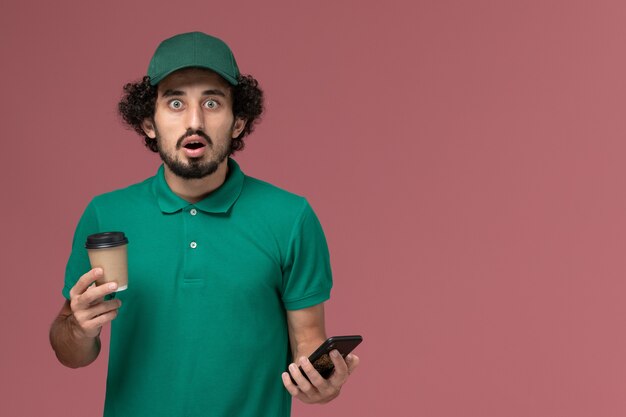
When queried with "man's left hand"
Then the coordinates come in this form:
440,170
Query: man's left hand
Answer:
319,390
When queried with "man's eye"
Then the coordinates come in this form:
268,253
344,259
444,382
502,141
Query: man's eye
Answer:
176,104
211,104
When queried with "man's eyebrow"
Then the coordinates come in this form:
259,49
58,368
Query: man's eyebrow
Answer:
214,93
170,93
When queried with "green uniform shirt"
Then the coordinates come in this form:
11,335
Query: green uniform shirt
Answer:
202,330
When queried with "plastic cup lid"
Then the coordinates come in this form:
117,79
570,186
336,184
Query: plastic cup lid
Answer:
106,240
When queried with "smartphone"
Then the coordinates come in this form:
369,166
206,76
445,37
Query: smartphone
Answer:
321,357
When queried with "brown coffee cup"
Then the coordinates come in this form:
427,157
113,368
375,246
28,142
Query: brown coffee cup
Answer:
108,251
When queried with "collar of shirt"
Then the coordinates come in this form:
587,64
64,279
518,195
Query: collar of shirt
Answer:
218,201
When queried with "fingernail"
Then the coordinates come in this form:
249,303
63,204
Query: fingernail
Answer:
292,367
97,272
334,353
349,357
302,360
112,286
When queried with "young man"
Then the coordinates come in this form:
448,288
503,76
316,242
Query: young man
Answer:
226,272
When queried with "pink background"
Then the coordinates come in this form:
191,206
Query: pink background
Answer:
465,159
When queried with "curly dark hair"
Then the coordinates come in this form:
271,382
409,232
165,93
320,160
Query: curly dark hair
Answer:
139,99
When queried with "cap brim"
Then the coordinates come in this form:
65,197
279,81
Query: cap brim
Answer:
160,77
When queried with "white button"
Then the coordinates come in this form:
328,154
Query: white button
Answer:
193,245
193,212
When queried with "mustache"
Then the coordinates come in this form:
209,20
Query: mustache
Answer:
190,132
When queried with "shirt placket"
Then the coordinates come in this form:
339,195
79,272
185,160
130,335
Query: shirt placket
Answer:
192,244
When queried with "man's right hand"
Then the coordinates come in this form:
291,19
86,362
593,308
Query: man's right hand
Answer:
89,309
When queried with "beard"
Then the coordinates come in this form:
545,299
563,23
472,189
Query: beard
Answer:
194,168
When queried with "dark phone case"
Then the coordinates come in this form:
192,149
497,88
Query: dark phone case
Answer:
321,359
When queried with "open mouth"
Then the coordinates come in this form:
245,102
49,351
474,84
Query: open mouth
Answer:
194,145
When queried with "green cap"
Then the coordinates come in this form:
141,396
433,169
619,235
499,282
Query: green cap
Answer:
194,49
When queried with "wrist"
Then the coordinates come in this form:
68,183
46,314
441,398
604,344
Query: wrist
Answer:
78,334
307,348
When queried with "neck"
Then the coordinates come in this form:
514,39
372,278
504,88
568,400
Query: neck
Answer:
195,190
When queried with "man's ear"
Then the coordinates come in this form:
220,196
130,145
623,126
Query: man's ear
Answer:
238,126
148,127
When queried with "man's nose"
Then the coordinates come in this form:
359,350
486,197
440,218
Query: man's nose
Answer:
195,118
